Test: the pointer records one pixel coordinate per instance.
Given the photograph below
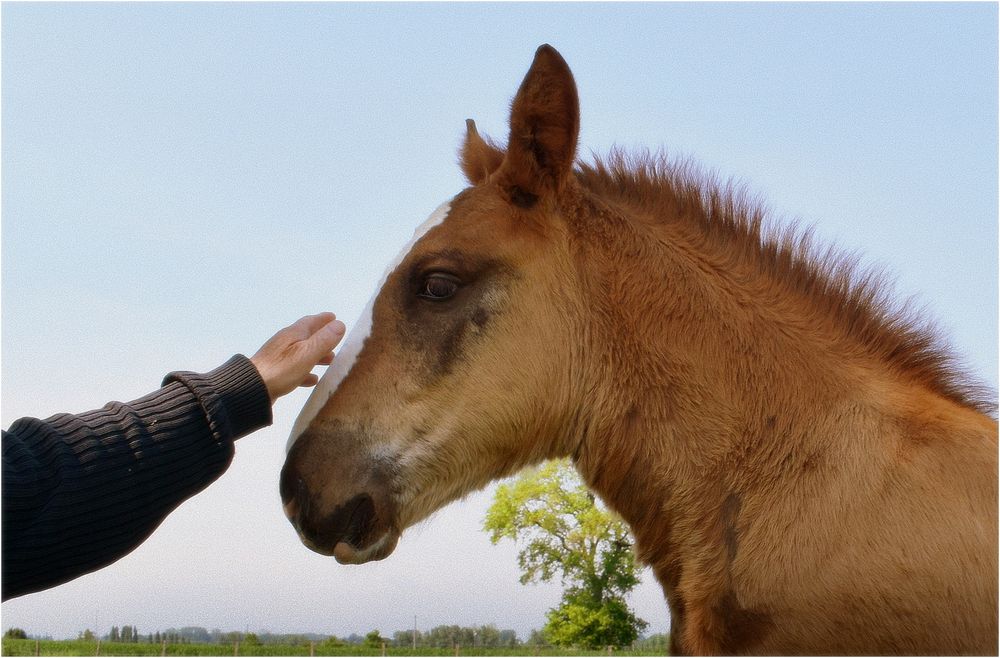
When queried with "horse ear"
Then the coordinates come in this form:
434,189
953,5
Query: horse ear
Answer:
480,157
544,127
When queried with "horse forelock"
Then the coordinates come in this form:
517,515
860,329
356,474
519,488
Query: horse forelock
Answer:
356,337
856,299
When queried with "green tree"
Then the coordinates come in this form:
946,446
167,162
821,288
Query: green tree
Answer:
446,636
508,638
232,637
581,621
374,639
87,636
563,532
655,642
332,642
488,636
15,634
405,638
537,638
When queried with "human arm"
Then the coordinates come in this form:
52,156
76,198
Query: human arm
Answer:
80,491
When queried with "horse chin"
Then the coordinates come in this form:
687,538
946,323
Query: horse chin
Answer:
346,553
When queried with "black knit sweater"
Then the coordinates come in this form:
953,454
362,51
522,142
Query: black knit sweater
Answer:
81,491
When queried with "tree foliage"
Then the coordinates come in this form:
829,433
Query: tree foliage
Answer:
374,640
458,636
580,621
563,532
124,634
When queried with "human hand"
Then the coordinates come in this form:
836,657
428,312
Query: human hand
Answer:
285,361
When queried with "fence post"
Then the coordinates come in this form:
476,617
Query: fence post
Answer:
98,652
38,648
456,648
383,648
312,648
609,650
236,648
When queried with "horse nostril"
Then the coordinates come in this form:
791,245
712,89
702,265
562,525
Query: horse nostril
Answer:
285,485
352,523
293,492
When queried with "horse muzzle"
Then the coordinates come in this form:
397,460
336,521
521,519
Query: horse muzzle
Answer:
358,526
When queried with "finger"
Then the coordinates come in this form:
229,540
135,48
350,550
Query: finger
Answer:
324,340
325,360
310,324
309,380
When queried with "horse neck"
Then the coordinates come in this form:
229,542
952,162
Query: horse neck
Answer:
708,381
726,414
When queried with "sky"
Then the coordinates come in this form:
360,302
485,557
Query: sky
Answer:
179,181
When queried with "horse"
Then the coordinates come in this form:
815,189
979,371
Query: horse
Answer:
802,464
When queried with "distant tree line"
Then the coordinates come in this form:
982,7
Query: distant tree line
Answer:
440,636
462,636
127,634
487,636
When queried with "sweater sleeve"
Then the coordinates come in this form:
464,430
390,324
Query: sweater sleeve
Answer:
81,491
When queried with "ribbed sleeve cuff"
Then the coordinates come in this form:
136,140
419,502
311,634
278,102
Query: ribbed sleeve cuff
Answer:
233,395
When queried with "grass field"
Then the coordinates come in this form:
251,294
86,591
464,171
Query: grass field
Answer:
84,648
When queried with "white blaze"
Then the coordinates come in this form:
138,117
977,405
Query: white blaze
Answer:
355,340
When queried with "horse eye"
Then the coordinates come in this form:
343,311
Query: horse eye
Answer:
438,286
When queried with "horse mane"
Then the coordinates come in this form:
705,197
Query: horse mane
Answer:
855,299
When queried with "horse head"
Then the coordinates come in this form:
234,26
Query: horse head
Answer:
459,371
